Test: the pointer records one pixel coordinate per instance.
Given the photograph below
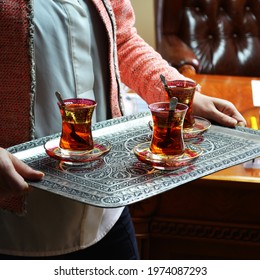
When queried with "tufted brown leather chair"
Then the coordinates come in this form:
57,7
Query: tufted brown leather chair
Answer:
210,36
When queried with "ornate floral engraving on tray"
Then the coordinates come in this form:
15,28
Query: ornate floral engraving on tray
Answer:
119,178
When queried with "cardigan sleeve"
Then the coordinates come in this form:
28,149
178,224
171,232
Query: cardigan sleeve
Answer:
139,64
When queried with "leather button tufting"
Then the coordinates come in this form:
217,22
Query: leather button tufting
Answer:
221,36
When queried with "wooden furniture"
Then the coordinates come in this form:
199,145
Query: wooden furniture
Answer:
216,217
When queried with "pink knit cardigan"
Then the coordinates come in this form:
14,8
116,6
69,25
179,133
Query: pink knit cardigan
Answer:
130,58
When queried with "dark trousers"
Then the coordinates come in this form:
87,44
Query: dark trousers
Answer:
119,244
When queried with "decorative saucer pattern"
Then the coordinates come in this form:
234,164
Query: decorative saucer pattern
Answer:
200,126
163,162
101,148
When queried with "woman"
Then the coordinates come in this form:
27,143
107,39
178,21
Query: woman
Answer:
81,48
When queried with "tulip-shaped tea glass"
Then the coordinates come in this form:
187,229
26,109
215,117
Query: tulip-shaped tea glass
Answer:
76,135
184,91
167,138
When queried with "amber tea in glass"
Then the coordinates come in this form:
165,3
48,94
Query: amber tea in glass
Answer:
167,138
76,132
184,91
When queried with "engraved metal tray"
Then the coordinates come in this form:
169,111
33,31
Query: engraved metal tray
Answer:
119,179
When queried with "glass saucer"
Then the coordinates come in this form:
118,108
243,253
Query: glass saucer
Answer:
101,148
200,126
163,162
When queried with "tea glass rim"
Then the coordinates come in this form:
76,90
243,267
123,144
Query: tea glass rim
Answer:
190,84
76,100
166,110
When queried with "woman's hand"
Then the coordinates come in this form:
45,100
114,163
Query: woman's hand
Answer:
218,110
13,173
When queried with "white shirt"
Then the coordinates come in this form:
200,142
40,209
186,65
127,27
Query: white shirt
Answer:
65,49
71,57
